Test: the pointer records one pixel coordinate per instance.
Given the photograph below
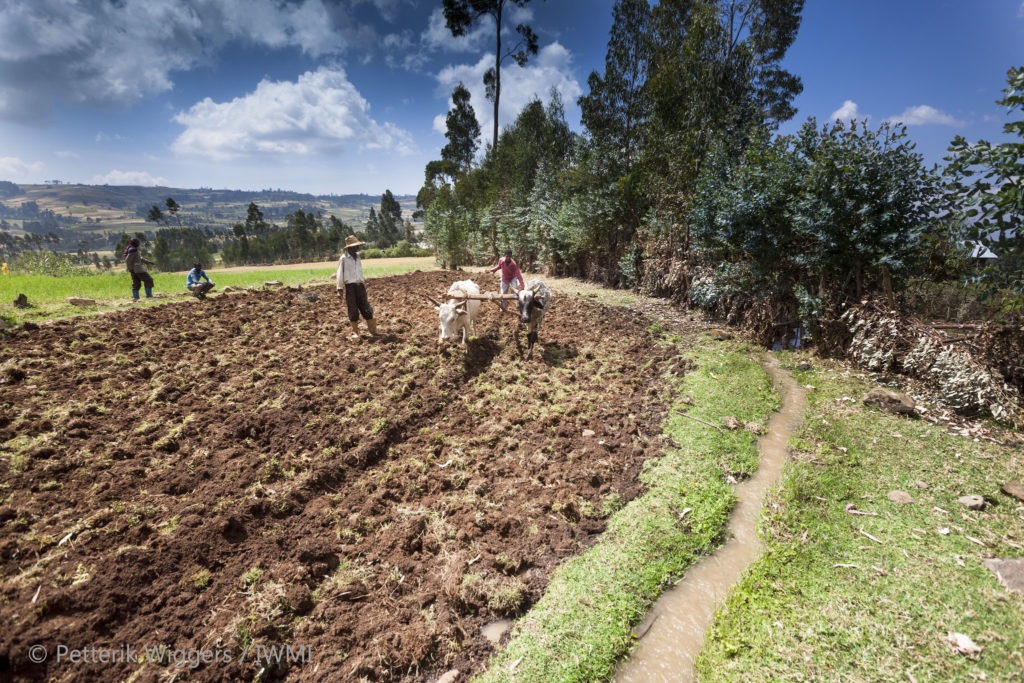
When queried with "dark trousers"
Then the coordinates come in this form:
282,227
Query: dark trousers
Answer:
143,278
355,299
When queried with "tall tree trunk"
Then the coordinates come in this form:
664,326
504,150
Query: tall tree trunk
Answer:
887,287
859,272
497,98
497,82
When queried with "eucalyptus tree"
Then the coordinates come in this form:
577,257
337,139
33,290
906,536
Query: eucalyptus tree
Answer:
865,203
460,15
614,113
389,220
985,187
462,131
714,74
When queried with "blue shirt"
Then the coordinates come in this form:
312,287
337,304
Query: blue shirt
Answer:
193,277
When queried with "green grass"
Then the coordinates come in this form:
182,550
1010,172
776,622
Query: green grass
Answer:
581,626
47,294
796,615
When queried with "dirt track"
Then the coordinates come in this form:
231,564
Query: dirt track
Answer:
236,473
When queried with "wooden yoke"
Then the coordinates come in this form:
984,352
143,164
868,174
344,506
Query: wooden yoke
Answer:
486,296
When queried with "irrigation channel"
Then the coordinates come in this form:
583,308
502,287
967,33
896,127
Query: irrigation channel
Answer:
672,633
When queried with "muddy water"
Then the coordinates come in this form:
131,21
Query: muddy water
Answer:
495,630
673,632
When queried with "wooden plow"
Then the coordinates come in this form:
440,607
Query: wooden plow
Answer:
496,297
486,296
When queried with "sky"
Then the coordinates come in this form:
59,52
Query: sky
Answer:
350,96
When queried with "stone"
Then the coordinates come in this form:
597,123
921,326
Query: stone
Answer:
272,283
80,301
972,502
963,644
1009,572
21,301
901,497
721,335
587,433
731,423
449,676
921,484
804,367
229,288
1015,489
891,401
754,427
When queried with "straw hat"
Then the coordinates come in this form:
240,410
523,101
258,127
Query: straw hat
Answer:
353,241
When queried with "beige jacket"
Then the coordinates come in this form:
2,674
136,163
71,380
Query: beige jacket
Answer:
350,270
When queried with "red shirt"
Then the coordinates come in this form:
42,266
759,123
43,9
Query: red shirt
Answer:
509,271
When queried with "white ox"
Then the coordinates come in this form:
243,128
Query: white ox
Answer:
458,314
532,303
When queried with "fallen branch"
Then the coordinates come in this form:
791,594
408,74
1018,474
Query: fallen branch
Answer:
861,530
709,424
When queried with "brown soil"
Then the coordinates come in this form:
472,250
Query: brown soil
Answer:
237,473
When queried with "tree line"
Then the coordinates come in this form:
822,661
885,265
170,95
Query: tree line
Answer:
680,184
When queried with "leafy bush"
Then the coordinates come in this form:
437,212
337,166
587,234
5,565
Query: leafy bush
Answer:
49,263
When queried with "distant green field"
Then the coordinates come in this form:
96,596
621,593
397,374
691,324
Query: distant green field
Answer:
47,294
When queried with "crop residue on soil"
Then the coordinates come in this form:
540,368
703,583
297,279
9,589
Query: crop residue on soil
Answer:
236,472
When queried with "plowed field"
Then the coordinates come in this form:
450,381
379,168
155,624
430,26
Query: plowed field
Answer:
228,475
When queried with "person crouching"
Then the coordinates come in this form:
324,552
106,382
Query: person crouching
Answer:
194,282
349,279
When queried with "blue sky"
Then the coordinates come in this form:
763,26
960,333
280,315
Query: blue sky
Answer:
348,96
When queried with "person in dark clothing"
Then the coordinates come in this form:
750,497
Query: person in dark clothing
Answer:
133,262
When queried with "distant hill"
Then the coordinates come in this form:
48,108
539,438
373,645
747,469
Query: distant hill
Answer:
93,216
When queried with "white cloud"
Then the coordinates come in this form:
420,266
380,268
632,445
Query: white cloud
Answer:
923,115
847,112
321,111
66,154
387,8
520,15
105,137
116,177
401,52
1020,12
439,37
14,169
111,54
551,67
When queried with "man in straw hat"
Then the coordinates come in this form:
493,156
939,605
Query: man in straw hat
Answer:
350,280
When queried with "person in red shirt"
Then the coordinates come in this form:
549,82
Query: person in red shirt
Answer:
509,273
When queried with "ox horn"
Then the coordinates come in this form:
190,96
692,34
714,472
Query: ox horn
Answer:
431,300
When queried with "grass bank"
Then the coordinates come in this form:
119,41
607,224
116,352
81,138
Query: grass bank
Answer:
47,294
871,597
582,625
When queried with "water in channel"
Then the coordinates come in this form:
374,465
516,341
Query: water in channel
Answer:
673,632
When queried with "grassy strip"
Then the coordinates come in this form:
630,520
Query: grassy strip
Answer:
113,290
798,615
581,626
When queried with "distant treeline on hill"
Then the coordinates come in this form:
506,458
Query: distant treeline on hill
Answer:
76,219
306,236
122,196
